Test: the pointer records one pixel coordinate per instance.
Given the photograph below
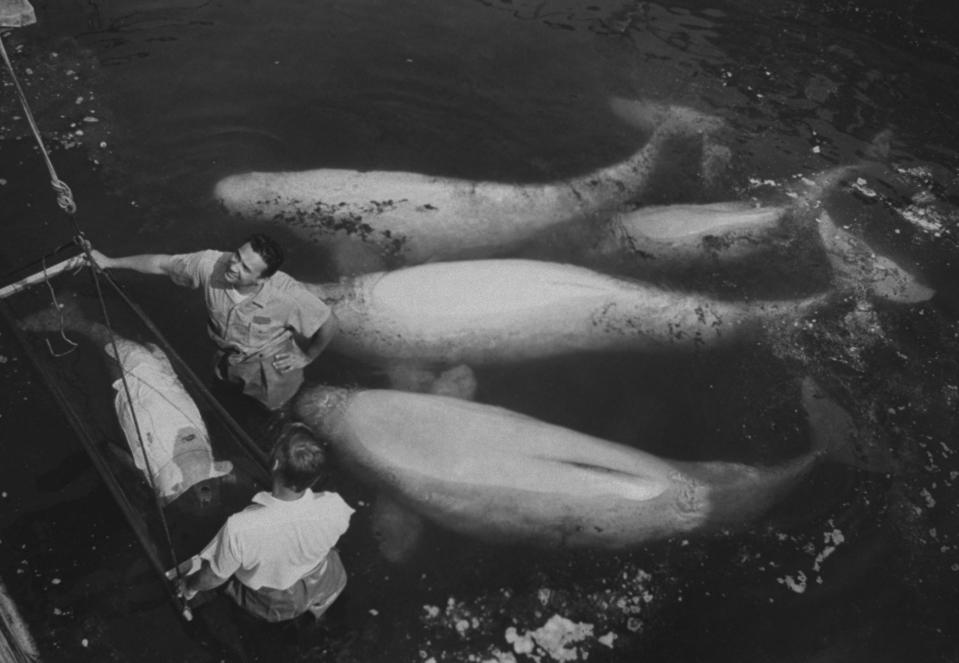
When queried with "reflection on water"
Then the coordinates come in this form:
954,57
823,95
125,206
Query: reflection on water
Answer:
148,105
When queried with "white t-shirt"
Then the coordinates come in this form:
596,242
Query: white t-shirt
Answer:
273,543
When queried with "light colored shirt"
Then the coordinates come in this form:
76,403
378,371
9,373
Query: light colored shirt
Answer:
273,543
256,323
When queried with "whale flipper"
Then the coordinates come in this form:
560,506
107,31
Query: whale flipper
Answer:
457,382
856,265
397,530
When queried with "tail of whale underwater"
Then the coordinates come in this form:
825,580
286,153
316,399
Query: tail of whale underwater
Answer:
419,218
739,494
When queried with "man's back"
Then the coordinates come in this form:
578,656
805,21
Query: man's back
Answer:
273,542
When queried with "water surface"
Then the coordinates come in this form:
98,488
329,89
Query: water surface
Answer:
171,97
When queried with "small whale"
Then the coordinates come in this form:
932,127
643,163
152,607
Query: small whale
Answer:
164,429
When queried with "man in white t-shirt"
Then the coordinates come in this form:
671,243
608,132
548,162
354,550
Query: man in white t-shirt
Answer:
276,558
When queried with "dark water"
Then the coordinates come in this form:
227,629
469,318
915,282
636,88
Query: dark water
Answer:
856,565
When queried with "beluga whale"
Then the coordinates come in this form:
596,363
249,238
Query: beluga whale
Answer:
787,239
481,312
410,218
167,439
500,476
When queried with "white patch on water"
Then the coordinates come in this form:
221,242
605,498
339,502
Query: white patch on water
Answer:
557,639
797,584
925,219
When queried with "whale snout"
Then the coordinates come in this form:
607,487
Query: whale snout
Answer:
316,404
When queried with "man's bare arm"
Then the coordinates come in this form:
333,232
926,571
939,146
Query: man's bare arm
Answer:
321,338
286,361
146,263
201,581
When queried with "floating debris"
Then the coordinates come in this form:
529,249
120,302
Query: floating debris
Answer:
556,638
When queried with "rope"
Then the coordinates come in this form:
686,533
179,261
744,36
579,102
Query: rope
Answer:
77,423
63,333
136,421
64,194
246,442
67,204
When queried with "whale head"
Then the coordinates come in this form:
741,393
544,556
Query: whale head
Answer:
186,480
320,405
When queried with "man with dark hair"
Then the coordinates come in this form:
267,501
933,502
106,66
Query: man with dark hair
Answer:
266,325
276,557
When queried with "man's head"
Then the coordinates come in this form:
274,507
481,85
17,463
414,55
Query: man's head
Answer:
257,259
298,458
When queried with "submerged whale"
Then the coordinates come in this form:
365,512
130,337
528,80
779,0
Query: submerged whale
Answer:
492,311
163,427
497,475
411,218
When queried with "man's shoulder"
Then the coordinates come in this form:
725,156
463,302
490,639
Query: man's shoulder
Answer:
283,286
196,264
329,501
252,517
283,282
210,257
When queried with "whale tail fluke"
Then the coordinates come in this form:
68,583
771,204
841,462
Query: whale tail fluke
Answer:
856,266
653,116
835,436
832,430
880,148
814,188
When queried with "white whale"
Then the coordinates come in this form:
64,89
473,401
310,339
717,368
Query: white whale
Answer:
165,432
492,311
411,218
499,476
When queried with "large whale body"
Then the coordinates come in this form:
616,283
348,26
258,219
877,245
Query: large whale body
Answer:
411,218
491,473
491,311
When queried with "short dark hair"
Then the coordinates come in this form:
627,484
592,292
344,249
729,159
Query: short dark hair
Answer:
298,457
268,249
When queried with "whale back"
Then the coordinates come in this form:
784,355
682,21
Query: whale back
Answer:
501,476
485,311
